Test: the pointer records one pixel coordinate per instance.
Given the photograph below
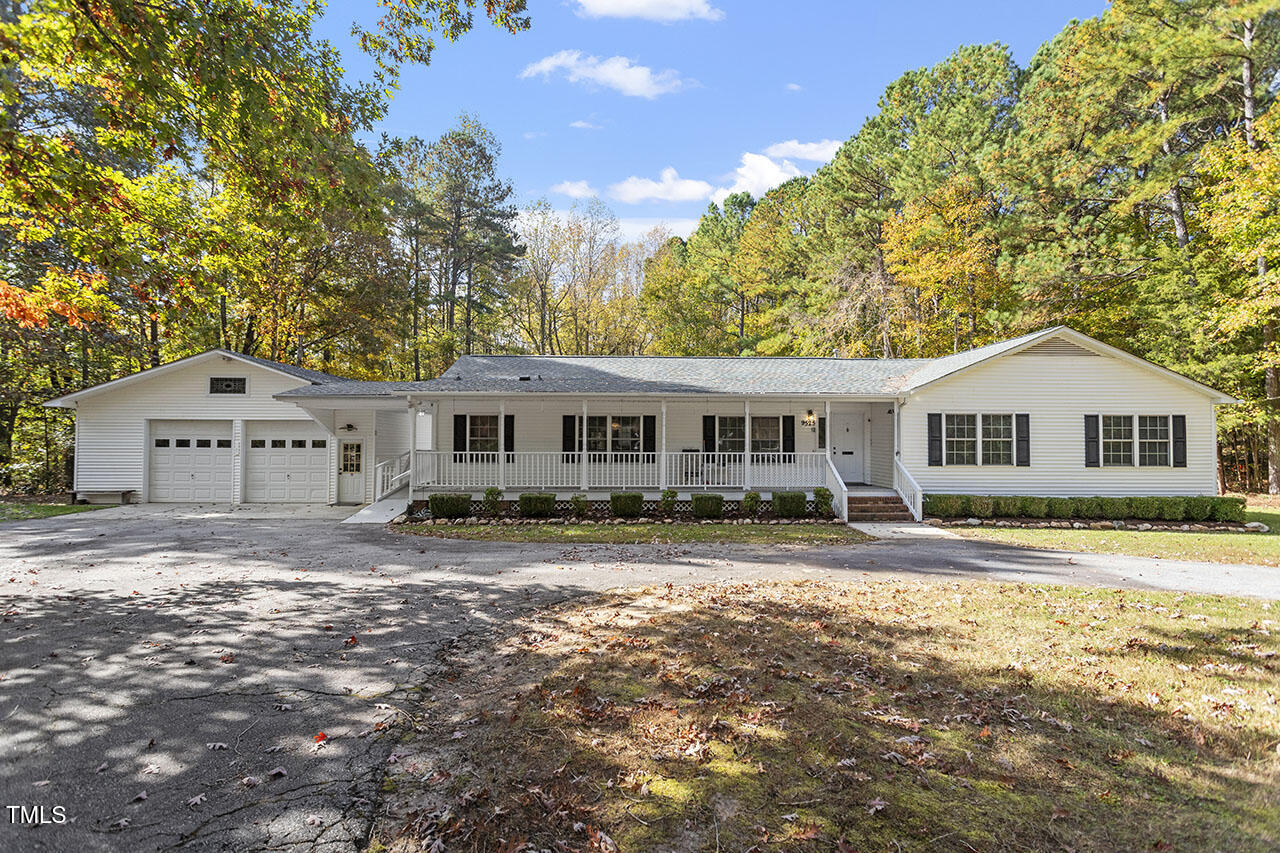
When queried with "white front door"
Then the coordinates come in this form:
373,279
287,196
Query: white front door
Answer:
848,439
351,472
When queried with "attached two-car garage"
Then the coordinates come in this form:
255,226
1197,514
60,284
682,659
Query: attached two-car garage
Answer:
194,462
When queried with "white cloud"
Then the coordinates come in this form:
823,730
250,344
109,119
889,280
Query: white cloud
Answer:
818,152
757,174
574,189
794,87
616,72
663,11
633,228
670,187
534,134
581,124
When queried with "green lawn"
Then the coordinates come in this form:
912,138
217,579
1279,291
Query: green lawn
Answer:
661,534
886,716
21,510
1254,548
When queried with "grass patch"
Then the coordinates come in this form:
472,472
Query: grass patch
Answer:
882,716
21,510
1252,548
635,534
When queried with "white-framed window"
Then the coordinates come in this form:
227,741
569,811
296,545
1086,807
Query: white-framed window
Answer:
731,434
960,439
1154,441
766,434
1117,440
482,433
625,433
612,434
228,385
997,439
597,433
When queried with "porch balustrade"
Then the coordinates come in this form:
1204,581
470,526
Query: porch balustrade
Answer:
552,471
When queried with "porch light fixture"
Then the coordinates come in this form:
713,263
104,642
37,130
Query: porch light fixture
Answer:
810,418
348,427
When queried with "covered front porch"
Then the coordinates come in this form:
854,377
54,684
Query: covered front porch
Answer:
570,445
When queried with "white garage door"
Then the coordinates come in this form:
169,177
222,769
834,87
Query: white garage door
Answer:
191,462
286,462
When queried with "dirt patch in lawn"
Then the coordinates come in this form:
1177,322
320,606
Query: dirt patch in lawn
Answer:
637,534
886,716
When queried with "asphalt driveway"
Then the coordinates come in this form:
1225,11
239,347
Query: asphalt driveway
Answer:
181,679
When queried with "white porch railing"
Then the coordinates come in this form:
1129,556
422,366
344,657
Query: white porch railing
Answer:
390,475
835,483
644,471
908,489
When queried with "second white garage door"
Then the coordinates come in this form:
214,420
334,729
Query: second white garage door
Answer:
286,462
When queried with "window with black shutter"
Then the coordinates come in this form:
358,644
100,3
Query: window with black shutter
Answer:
1179,441
1022,426
934,420
1091,457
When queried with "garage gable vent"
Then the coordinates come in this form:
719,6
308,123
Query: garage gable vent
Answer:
1057,346
226,385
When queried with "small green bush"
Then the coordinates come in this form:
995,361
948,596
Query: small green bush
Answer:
707,505
449,505
667,503
1199,508
492,500
578,506
1035,507
1172,509
789,504
1228,509
1061,507
750,505
1147,509
824,502
981,506
946,506
1008,506
537,504
1088,508
1114,509
626,504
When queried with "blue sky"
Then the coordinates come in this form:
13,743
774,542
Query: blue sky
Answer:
659,106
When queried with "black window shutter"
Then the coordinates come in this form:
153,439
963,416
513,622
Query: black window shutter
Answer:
569,433
1022,442
788,433
708,433
459,433
648,435
935,438
509,433
1091,441
1179,432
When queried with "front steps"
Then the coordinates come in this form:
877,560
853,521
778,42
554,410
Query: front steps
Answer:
877,508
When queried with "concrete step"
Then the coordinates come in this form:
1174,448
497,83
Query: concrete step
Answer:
878,508
880,516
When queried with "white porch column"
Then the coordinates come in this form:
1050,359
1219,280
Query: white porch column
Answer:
413,446
584,445
502,445
826,413
746,457
662,458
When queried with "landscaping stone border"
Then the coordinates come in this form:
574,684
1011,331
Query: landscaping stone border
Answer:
1089,524
614,522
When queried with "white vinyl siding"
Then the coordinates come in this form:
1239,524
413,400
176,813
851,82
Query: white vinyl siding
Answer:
1057,392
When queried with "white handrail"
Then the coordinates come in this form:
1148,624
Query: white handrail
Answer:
908,489
835,484
390,474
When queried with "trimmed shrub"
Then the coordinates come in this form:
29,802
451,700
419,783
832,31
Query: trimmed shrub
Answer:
578,506
824,502
1172,509
1060,507
1228,509
492,500
626,504
1008,506
1199,508
981,506
537,504
707,505
1115,509
1147,509
1034,507
449,505
1088,508
667,503
750,505
789,504
946,506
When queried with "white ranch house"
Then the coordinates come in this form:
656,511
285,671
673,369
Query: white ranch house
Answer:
1053,413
